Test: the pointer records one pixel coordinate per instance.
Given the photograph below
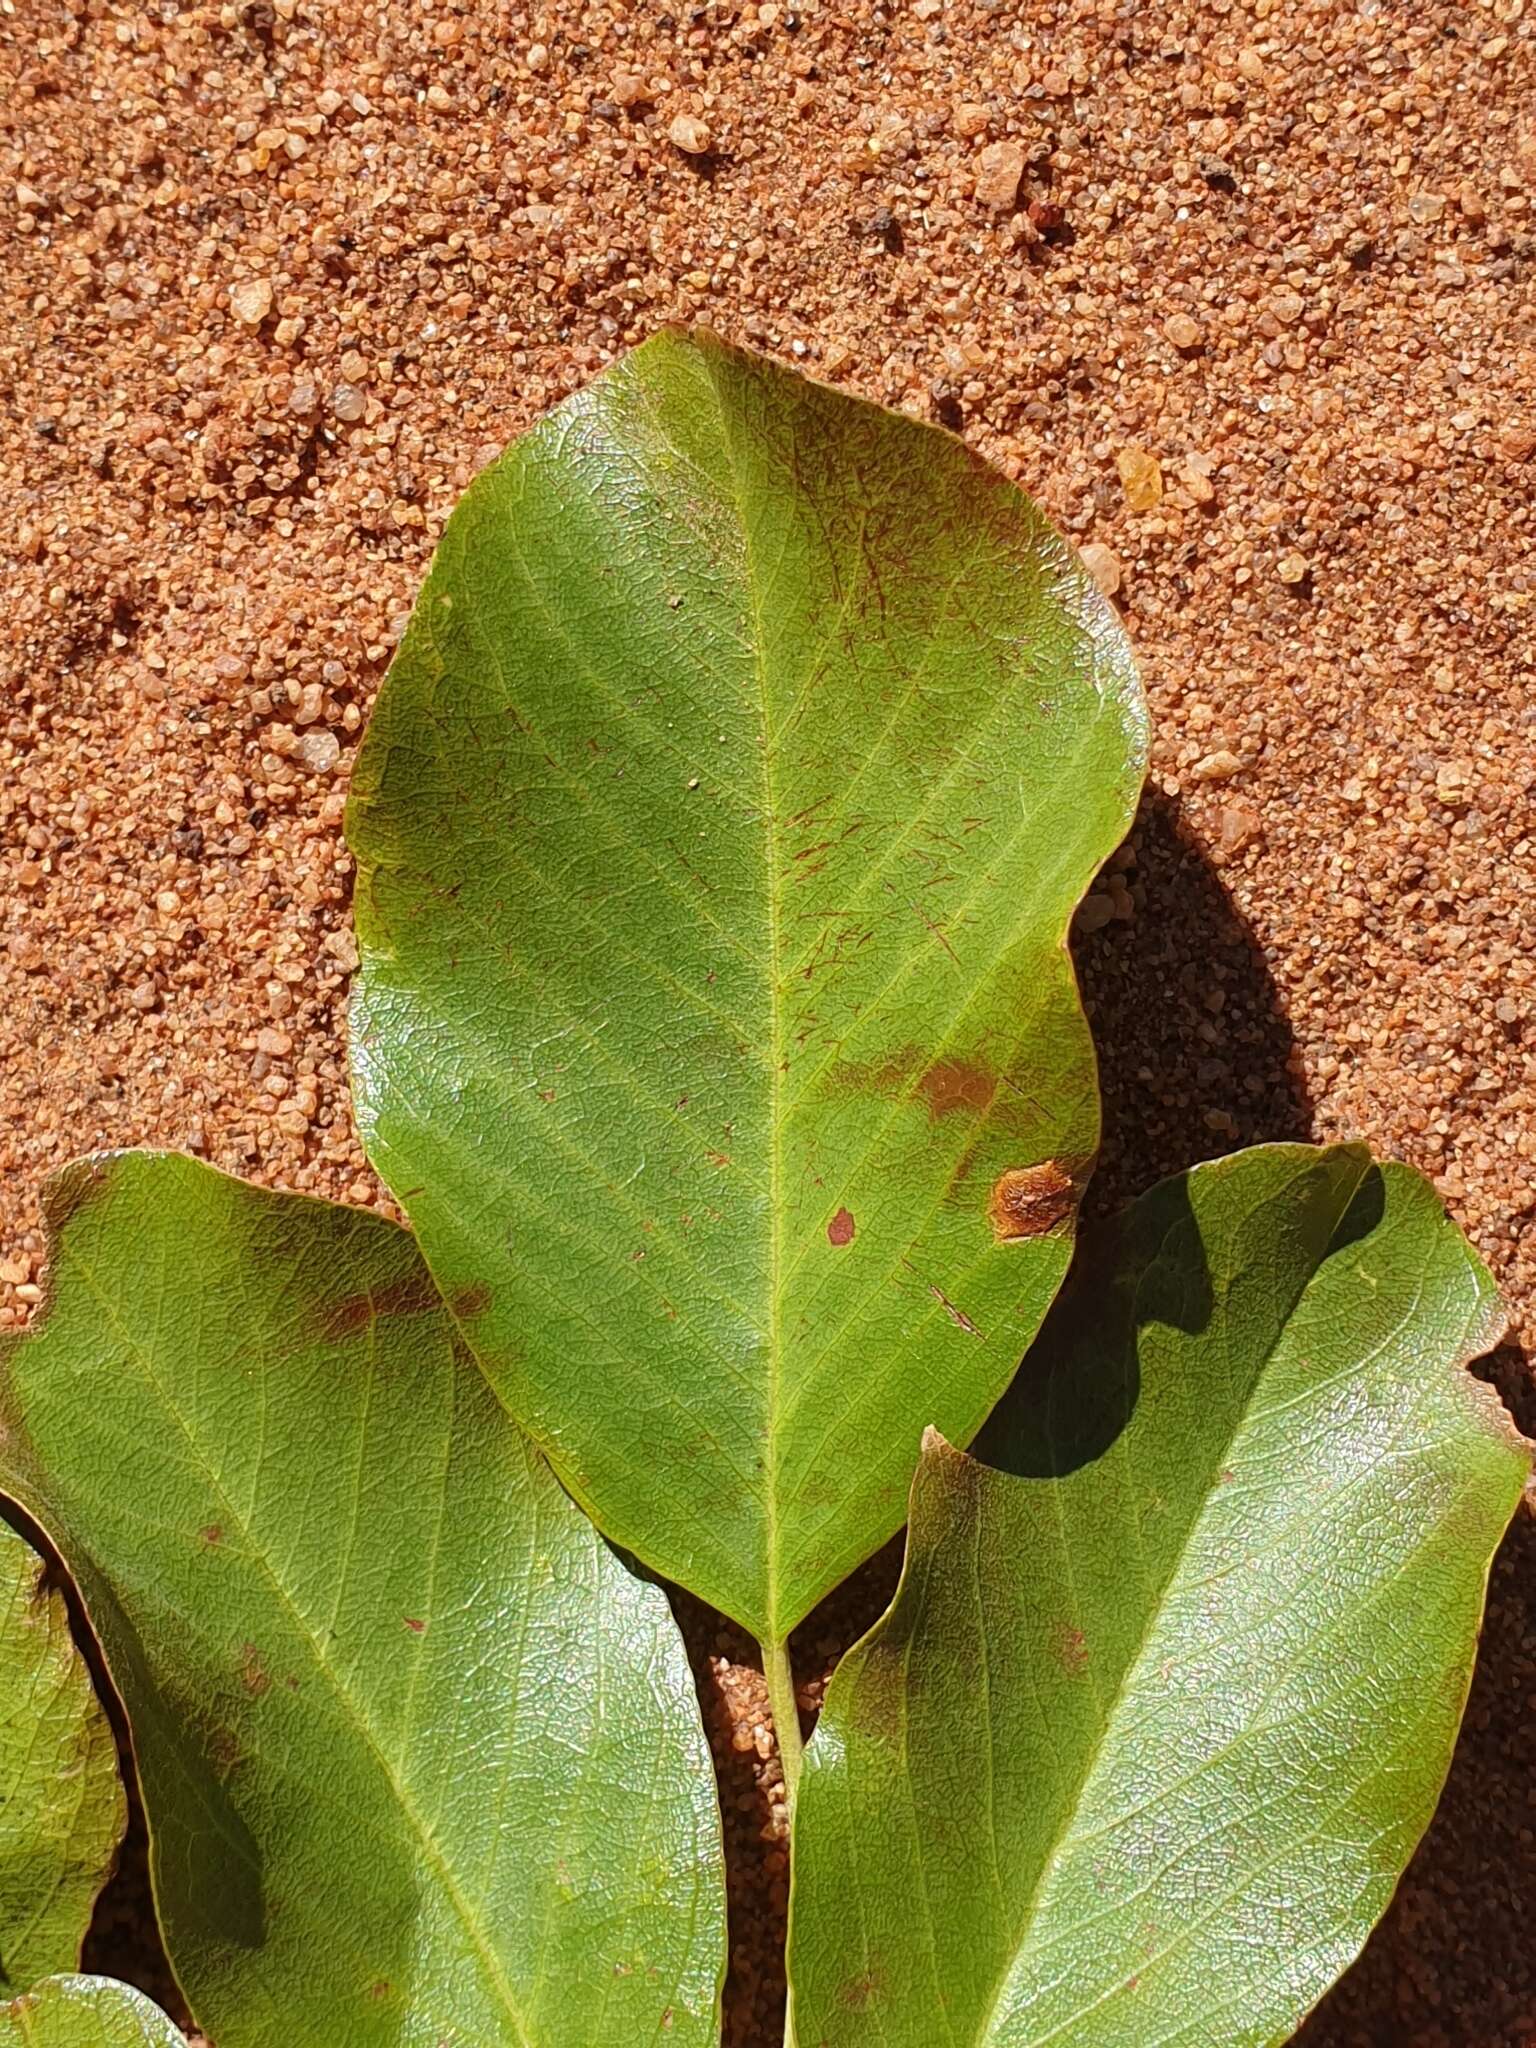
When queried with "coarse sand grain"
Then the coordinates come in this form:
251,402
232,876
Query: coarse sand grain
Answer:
1242,292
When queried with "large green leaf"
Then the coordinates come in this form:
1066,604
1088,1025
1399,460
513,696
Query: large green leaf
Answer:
717,834
1158,1715
421,1760
61,1800
84,2012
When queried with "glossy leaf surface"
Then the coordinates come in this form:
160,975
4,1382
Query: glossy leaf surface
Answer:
422,1761
1159,1713
718,830
85,2012
62,1808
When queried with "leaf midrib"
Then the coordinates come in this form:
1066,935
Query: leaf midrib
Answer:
984,2036
771,1532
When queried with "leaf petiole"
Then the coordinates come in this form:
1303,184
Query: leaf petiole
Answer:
779,1673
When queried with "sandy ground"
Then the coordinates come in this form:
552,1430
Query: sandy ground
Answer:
1242,292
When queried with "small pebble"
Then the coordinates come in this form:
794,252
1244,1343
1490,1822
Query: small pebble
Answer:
1293,569
319,752
689,134
1104,566
1218,767
1141,478
348,403
1239,826
250,300
999,168
1094,912
1182,331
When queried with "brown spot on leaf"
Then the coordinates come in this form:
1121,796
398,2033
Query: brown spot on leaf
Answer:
1027,1201
952,1085
223,1750
213,1535
862,1990
470,1302
416,1627
1071,1648
413,1296
253,1673
887,1078
840,1230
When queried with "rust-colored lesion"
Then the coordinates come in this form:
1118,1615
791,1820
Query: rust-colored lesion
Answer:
861,1992
413,1295
841,1229
1070,1648
1029,1201
253,1672
954,1084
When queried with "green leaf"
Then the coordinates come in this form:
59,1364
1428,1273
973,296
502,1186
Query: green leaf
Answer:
85,2012
422,1761
1157,1716
62,1808
717,834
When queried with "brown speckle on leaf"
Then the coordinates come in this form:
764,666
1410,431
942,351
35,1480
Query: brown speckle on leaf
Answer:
840,1230
412,1296
1071,1650
213,1535
950,1085
859,1991
1027,1201
253,1673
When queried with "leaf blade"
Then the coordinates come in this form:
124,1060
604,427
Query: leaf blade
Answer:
85,2012
387,1687
695,1044
1185,1828
62,1807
